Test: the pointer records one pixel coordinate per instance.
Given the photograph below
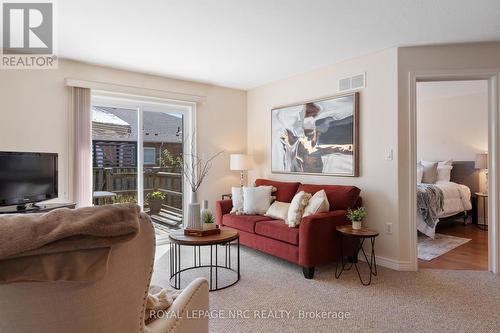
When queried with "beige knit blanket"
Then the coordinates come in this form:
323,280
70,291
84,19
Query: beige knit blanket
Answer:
64,244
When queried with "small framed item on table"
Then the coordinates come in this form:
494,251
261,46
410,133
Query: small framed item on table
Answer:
362,234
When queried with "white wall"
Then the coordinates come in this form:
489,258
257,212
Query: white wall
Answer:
378,130
35,115
452,120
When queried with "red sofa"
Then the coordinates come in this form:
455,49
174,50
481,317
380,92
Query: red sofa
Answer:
314,242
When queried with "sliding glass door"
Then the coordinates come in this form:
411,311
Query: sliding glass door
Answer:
162,165
138,155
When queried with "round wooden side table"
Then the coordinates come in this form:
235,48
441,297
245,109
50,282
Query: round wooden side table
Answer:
225,238
361,234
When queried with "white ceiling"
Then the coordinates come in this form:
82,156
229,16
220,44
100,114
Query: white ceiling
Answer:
247,43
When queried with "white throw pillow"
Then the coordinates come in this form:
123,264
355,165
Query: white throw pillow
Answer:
296,209
256,200
278,210
444,173
237,197
317,204
420,172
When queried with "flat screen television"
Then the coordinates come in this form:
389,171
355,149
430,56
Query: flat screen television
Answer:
27,178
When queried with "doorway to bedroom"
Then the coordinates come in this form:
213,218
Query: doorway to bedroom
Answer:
452,174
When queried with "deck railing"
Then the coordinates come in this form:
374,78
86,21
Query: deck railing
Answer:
123,183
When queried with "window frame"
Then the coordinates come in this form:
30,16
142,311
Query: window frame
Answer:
154,154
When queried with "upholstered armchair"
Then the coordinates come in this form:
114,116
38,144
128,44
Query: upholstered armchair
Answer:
115,303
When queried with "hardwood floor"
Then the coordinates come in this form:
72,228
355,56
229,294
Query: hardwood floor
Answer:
472,255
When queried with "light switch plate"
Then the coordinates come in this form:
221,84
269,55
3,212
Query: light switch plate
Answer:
389,154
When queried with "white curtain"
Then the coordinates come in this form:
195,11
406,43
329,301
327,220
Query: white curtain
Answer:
83,147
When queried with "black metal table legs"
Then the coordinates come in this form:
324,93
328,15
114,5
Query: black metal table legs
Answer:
372,264
214,267
483,226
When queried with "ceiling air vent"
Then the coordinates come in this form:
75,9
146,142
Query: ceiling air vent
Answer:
353,83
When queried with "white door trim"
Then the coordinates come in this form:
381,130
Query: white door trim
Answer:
493,78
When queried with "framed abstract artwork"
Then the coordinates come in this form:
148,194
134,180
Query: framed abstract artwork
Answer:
317,137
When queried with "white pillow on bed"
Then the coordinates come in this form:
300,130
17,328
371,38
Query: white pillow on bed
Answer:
420,172
444,173
443,170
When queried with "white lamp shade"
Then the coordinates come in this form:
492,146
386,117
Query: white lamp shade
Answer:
239,162
481,161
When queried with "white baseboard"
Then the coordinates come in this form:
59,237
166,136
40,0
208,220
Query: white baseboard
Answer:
391,263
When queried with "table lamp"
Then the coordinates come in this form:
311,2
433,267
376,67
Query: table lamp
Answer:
481,163
241,163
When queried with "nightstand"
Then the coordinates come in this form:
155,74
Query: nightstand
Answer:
484,197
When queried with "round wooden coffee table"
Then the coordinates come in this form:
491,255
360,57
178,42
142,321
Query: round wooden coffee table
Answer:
362,234
225,238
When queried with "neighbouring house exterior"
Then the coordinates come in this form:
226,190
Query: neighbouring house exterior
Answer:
114,136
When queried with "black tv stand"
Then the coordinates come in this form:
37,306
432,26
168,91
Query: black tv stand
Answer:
24,207
35,208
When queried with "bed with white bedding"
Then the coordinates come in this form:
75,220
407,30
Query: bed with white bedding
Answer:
453,193
456,200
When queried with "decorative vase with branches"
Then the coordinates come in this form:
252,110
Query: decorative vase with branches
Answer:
196,168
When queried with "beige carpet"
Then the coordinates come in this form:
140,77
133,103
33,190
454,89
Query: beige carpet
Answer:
427,301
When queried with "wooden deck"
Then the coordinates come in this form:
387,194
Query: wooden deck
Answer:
122,182
170,216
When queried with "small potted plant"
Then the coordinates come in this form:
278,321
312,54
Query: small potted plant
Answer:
356,216
208,220
155,200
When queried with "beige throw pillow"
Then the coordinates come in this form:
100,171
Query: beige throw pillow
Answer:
256,200
317,204
296,209
278,210
430,172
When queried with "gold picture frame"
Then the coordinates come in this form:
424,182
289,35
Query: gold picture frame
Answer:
317,137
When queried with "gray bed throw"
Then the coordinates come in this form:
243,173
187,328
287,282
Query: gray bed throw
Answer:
429,203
